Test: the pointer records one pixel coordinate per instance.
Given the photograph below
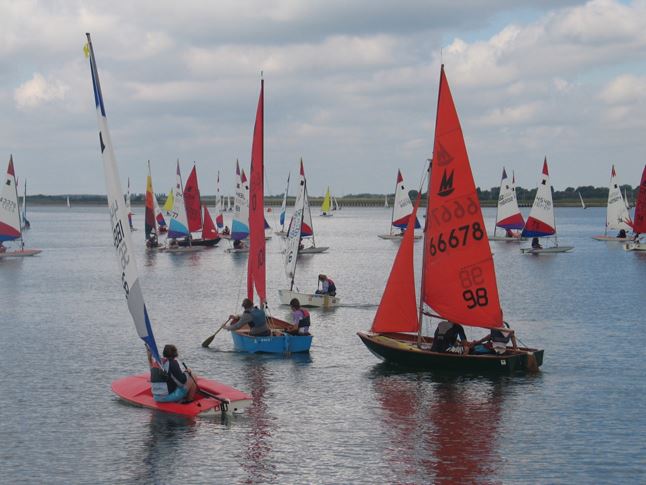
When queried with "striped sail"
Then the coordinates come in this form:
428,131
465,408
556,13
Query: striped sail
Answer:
402,207
9,213
219,220
178,227
240,224
307,227
119,218
508,215
541,218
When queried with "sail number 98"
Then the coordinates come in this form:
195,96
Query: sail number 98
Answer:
457,237
475,298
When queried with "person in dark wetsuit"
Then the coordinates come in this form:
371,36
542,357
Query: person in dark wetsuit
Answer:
622,233
300,318
446,336
170,383
252,316
536,244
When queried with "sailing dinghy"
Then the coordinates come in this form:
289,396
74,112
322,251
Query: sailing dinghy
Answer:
283,211
196,222
583,206
151,229
617,215
178,226
541,221
240,222
458,274
508,216
212,396
326,206
129,208
307,227
279,341
291,255
402,209
639,224
10,226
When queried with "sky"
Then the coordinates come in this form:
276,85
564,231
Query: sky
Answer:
351,87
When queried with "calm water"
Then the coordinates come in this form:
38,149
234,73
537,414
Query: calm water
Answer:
337,415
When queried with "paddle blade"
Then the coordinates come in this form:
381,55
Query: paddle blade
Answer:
208,341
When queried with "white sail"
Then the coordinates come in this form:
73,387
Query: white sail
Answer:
283,207
336,204
508,215
122,239
294,233
616,214
402,206
218,203
581,197
178,226
9,211
385,201
157,210
68,202
308,226
240,224
541,218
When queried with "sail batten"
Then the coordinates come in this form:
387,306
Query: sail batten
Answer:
459,275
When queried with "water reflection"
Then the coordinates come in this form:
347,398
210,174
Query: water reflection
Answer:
443,429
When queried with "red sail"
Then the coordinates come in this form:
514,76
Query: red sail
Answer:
256,263
397,310
639,224
150,209
459,276
192,202
209,232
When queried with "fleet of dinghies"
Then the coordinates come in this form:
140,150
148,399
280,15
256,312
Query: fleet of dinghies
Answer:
402,208
212,396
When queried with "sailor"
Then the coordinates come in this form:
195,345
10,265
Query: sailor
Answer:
254,317
238,244
327,286
226,231
536,244
622,233
169,382
446,336
497,340
3,249
300,318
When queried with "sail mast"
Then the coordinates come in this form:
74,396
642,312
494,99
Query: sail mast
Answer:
420,316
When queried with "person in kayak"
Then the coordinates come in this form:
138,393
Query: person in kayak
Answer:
254,317
300,318
169,383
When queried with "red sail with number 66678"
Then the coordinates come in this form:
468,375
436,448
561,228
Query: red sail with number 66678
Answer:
459,276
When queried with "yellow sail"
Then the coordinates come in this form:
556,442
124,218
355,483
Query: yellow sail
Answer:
326,202
170,200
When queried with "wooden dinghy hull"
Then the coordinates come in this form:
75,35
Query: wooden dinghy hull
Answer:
279,342
396,237
136,390
21,253
308,299
554,250
313,250
402,349
611,238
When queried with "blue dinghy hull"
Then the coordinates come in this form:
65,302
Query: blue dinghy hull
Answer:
275,344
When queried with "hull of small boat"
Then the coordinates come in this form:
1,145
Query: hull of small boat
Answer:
611,238
199,242
555,249
635,246
397,237
181,250
313,250
308,299
281,233
136,390
235,251
279,342
402,349
21,253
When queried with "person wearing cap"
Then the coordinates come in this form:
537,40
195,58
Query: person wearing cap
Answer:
327,286
253,316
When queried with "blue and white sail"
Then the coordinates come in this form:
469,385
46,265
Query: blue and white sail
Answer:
283,207
240,223
122,239
178,226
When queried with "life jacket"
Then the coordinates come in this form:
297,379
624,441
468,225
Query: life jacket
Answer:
305,321
331,289
159,379
258,318
445,335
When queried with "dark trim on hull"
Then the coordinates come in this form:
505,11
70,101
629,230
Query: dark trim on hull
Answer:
407,354
199,242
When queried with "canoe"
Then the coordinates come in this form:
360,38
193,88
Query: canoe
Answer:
308,299
397,237
402,349
277,343
136,390
552,250
20,253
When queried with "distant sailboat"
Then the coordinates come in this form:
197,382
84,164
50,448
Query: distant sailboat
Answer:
617,215
68,202
219,218
240,223
194,215
583,206
337,207
25,222
386,201
283,210
10,225
508,216
541,221
178,225
307,228
325,206
129,208
212,396
639,224
291,255
402,208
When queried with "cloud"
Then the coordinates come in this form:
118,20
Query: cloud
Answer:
38,91
626,88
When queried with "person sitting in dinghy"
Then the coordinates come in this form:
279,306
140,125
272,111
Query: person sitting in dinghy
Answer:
327,286
300,318
169,383
495,343
3,249
238,244
254,317
622,233
536,244
446,337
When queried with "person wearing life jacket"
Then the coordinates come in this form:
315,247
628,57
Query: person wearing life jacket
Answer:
496,342
536,244
327,286
622,233
300,318
446,337
168,382
254,317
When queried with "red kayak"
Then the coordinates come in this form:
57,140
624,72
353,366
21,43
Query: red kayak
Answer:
213,397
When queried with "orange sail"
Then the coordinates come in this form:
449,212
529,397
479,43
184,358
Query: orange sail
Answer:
639,224
209,232
192,202
459,279
256,262
397,310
